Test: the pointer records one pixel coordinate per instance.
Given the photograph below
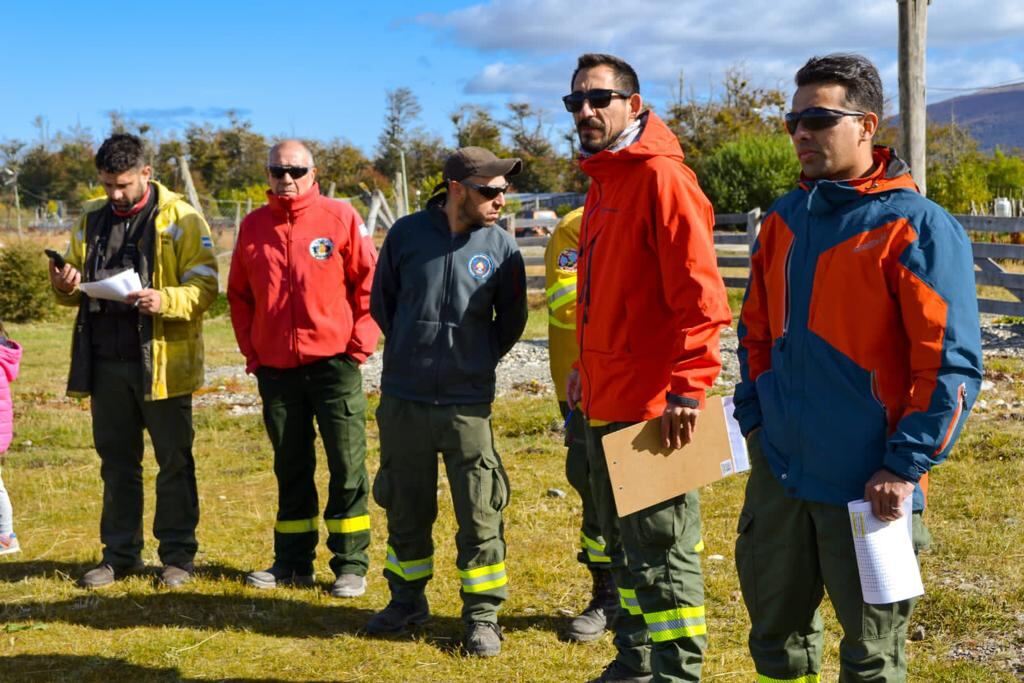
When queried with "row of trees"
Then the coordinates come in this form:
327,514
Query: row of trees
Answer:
735,142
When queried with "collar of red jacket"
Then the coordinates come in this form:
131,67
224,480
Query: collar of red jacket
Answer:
655,140
290,206
889,173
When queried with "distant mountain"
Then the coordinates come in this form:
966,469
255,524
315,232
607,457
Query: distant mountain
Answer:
995,117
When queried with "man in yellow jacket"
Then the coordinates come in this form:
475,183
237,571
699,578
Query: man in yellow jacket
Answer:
560,281
140,358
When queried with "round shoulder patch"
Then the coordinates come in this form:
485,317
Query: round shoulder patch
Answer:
567,260
480,266
321,248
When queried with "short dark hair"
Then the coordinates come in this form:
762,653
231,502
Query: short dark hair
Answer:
854,72
625,76
121,152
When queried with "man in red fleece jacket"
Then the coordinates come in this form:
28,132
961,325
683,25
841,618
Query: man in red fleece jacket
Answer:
299,291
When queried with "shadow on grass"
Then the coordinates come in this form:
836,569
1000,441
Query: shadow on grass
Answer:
86,668
281,613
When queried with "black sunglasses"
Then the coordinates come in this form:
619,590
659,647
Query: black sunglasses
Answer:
598,98
295,172
816,118
486,191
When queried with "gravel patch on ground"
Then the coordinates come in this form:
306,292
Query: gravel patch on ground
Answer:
524,370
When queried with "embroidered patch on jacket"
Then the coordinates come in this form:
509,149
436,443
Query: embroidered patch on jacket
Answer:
206,242
321,248
567,260
480,266
363,230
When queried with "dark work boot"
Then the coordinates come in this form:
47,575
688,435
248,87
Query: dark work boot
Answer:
598,615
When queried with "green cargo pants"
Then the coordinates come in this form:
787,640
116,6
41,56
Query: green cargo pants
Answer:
788,553
331,392
655,561
411,436
119,415
577,470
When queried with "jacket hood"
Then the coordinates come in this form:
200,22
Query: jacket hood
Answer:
890,173
10,359
282,205
655,140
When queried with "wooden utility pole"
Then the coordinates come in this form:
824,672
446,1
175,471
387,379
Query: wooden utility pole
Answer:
913,36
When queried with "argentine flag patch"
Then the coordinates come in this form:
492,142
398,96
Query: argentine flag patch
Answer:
206,241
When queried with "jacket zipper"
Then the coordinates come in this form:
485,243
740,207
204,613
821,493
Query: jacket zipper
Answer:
961,395
878,397
445,287
585,296
789,291
291,294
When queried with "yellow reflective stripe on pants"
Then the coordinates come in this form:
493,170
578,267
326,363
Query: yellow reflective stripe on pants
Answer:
409,570
672,624
699,547
296,526
595,551
480,579
348,526
809,678
628,601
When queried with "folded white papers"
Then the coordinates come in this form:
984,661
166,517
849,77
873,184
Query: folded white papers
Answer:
885,554
113,288
738,445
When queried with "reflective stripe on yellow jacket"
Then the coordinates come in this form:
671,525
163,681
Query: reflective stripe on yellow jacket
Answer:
560,284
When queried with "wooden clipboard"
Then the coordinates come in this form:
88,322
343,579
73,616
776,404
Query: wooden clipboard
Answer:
643,473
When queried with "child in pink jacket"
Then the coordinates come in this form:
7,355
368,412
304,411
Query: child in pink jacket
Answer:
10,360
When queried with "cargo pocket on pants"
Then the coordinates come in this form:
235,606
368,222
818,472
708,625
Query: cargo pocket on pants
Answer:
746,567
658,525
382,488
501,490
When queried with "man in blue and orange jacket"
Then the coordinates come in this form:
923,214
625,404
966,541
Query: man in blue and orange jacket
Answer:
860,357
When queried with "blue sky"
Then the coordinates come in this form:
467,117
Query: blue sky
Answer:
320,69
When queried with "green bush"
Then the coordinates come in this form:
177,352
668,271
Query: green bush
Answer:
750,171
219,307
24,285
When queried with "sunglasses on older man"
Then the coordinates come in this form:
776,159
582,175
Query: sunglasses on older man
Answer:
486,191
295,172
599,98
816,118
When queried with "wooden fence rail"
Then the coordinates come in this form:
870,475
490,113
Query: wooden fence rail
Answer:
733,248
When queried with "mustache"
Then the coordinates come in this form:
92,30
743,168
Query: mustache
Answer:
592,122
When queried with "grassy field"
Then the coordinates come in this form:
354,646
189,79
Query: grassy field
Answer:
971,622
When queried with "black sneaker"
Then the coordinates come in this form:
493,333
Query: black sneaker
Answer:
398,617
483,639
617,672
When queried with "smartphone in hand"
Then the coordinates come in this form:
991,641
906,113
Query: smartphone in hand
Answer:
58,260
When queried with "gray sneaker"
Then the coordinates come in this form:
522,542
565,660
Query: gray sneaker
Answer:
276,575
105,574
348,586
483,639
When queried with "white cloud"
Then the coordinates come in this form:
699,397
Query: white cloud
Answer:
538,40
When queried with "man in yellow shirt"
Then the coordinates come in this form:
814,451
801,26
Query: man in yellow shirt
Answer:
560,276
